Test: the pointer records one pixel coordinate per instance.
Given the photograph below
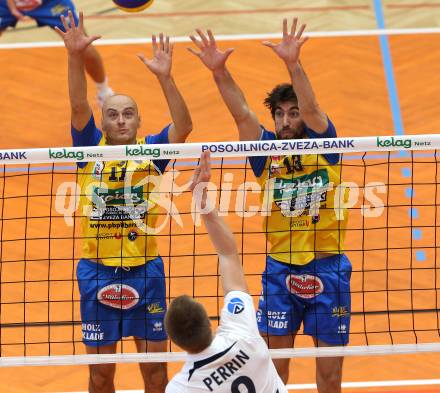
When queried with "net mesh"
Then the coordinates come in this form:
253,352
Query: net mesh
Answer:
391,240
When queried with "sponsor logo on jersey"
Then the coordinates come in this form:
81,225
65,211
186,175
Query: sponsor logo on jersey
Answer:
97,170
259,315
113,225
27,5
306,184
155,308
304,286
277,319
104,236
294,195
119,196
277,324
340,311
235,306
118,204
157,327
277,315
275,166
315,219
119,296
60,9
92,332
132,235
300,222
342,329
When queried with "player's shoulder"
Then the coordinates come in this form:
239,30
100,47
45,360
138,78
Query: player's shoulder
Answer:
238,316
141,140
267,135
330,131
234,299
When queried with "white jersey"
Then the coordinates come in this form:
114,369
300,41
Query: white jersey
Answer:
237,359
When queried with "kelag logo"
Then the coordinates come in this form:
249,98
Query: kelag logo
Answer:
391,141
64,153
140,150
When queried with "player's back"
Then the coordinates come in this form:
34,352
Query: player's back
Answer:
236,361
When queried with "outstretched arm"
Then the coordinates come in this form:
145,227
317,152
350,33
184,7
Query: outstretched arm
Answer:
76,42
160,65
289,51
231,271
215,60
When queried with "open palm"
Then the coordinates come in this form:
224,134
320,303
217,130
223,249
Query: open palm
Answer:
74,37
209,54
161,62
290,46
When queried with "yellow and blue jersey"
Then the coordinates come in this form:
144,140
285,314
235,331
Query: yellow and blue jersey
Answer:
302,202
118,203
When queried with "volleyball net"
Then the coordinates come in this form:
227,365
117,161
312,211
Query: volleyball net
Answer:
390,193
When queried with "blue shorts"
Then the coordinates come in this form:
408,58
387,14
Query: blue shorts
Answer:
118,303
317,294
47,14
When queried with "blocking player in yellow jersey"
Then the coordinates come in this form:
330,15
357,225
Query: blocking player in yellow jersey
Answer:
307,275
121,276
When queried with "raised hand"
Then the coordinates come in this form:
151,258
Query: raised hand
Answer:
290,46
209,54
160,64
201,177
75,38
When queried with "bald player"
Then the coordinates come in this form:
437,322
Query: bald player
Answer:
234,359
47,13
121,276
307,275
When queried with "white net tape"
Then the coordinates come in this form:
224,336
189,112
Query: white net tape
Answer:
159,357
221,149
